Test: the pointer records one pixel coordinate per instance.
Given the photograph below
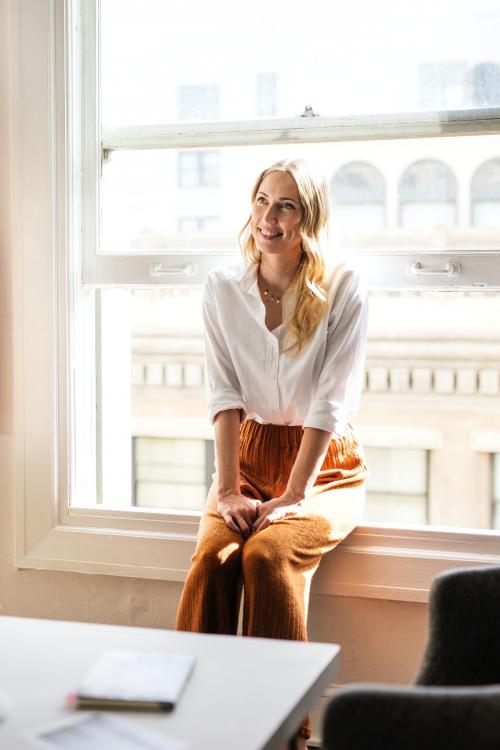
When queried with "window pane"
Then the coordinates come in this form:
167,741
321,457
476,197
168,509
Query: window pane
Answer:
169,471
166,62
415,195
396,490
431,394
485,194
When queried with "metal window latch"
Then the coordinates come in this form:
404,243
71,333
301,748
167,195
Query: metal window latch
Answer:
308,112
418,269
186,269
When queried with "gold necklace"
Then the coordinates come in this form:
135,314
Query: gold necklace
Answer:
270,297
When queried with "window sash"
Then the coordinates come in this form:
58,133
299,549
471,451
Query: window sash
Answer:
459,271
383,126
383,270
469,269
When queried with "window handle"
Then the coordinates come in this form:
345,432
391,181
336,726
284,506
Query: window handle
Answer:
308,112
418,269
186,269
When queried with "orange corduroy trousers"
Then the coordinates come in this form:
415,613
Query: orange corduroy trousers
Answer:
274,565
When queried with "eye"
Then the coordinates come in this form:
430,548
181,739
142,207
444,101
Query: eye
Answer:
287,205
260,199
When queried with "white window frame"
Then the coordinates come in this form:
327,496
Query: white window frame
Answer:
390,270
380,562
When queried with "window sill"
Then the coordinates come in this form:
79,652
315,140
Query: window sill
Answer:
378,562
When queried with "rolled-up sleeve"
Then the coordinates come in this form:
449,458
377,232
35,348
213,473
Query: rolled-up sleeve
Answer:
223,387
336,397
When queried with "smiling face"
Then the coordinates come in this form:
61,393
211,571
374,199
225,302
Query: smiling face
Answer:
277,216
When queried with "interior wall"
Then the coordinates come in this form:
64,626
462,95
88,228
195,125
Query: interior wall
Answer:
6,399
6,405
381,640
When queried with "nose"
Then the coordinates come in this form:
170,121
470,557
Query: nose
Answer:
270,214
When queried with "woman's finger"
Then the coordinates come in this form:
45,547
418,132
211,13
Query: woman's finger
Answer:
244,528
261,523
229,522
238,524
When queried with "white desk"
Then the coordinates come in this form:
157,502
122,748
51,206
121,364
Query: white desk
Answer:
243,694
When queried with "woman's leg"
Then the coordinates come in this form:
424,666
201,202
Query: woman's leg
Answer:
211,594
279,562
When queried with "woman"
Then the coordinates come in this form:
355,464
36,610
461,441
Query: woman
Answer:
285,344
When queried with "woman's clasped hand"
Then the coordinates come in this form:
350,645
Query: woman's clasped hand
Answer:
238,511
246,515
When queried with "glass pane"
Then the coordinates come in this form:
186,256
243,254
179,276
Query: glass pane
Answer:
421,195
397,470
396,490
431,393
404,510
169,470
191,61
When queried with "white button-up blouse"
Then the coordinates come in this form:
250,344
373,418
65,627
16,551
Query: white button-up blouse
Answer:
247,366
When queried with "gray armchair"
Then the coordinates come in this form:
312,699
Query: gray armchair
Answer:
455,699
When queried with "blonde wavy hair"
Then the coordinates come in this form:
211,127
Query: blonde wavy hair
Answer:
308,285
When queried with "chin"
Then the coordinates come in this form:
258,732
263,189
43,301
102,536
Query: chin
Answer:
269,250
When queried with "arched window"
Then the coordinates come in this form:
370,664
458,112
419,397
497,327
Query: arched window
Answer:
485,84
358,196
485,194
427,195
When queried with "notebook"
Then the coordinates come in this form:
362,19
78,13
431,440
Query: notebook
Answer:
134,680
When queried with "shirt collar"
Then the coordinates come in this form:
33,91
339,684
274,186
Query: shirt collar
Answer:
247,279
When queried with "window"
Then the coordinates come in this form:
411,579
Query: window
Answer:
456,85
485,194
110,194
427,195
199,169
166,466
358,192
198,103
267,93
378,186
443,83
485,84
397,487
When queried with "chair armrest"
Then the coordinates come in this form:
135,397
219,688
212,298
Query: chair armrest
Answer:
379,717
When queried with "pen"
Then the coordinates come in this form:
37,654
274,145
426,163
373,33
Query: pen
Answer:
73,700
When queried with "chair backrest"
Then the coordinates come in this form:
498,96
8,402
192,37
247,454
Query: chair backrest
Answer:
463,646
